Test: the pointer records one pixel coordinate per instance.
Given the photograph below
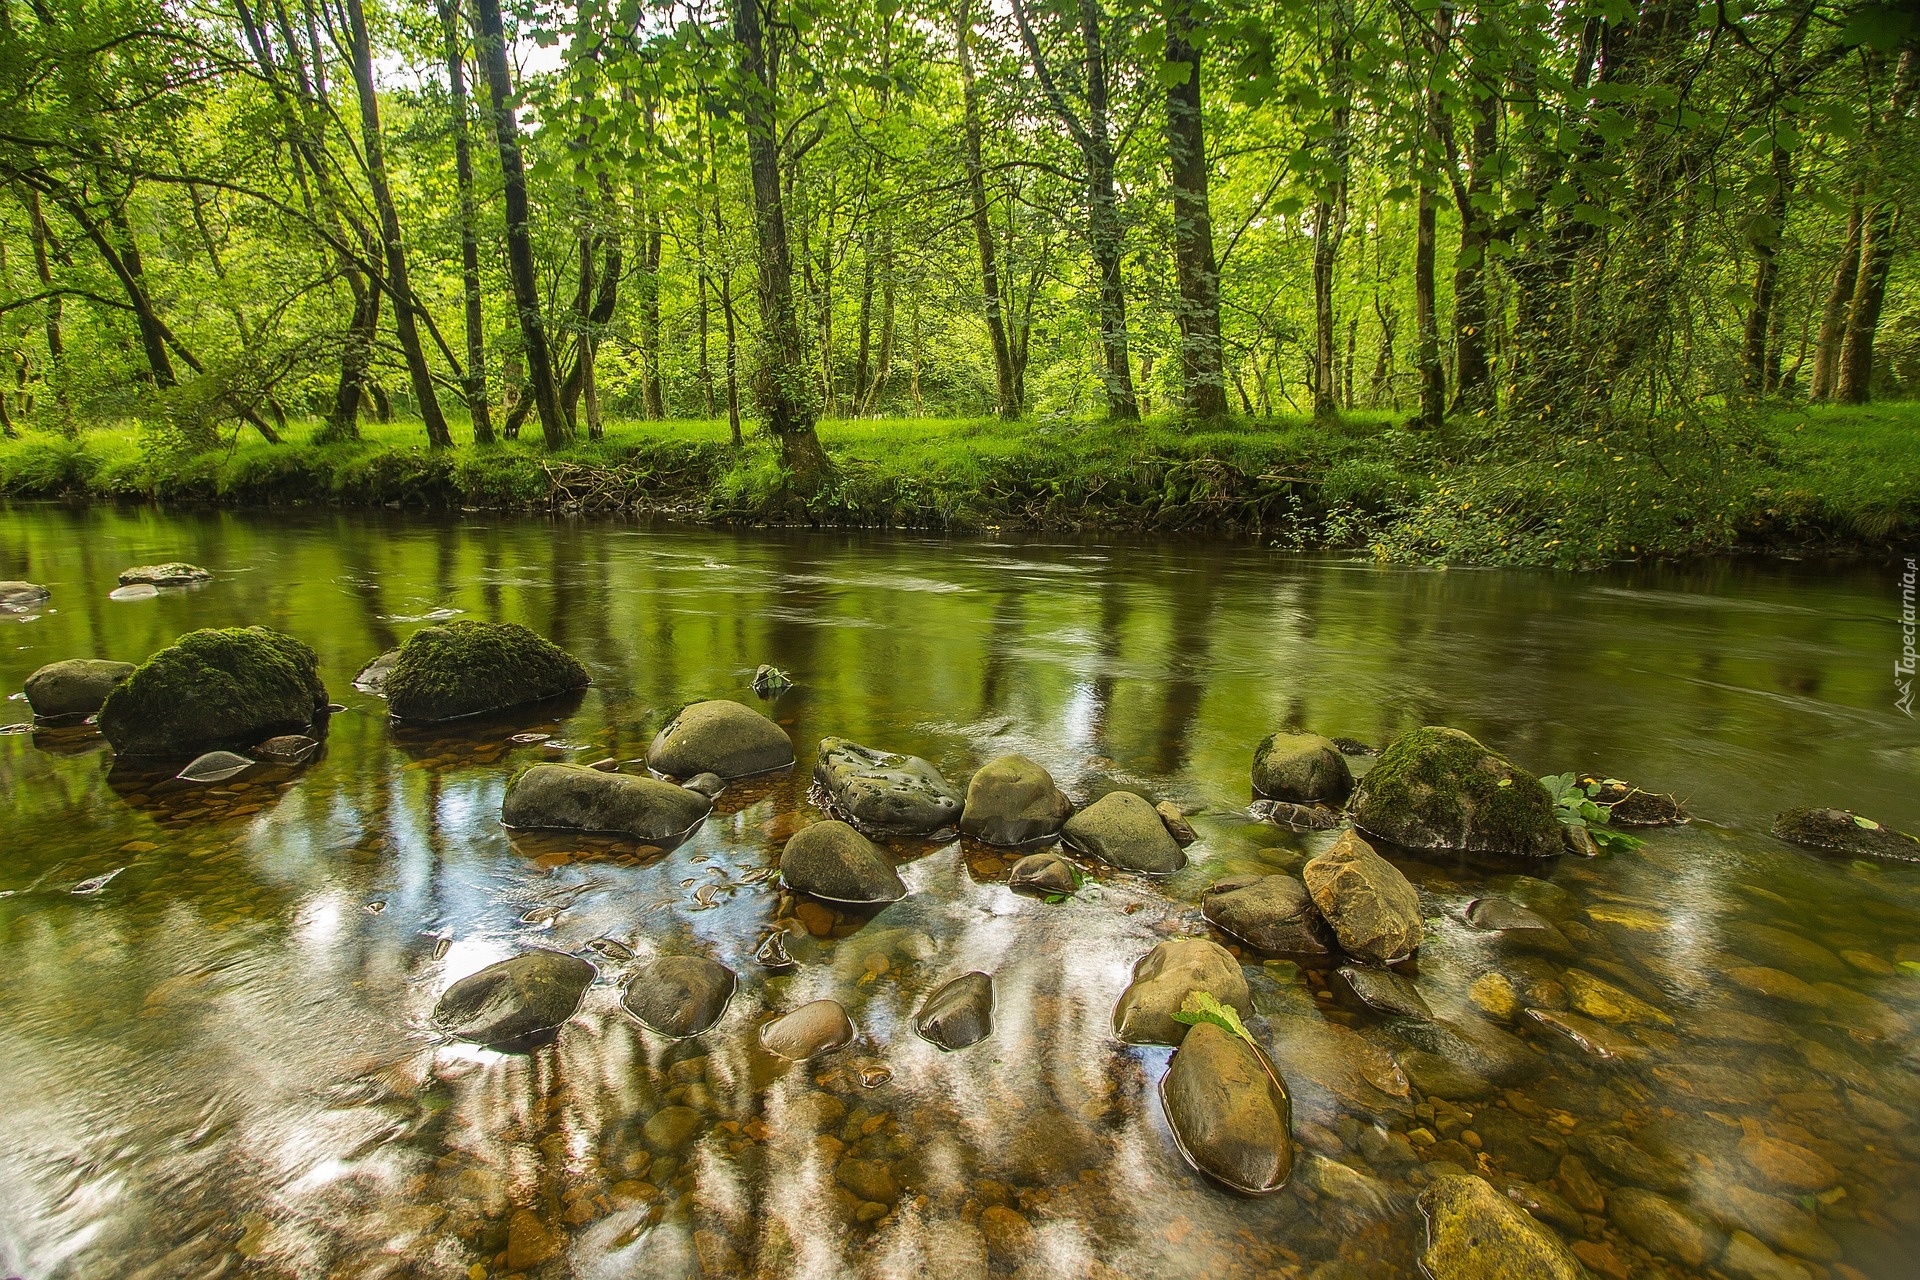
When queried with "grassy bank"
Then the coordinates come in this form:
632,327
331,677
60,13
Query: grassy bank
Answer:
1822,478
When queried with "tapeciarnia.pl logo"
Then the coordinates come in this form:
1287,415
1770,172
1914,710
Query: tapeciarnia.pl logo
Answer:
1903,665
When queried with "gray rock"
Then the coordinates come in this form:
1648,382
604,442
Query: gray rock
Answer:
727,738
831,860
1634,1165
810,1030
1273,913
709,785
515,999
1437,788
1295,817
1475,1233
1386,991
1231,1116
373,677
959,1014
1441,1077
572,797
1518,925
75,687
1044,875
18,597
466,668
1165,977
287,748
1303,768
679,996
1374,911
1013,801
1475,1046
1843,831
1177,825
1122,830
1660,1226
213,689
172,574
884,793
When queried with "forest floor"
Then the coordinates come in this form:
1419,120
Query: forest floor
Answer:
1772,478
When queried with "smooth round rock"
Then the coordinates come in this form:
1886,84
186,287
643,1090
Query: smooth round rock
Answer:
373,677
467,668
1301,768
808,1031
1373,909
1386,991
172,574
1163,980
832,861
214,689
1273,913
1438,788
1012,801
1475,1233
1660,1226
1516,924
18,597
572,797
679,996
515,999
1122,830
1232,1119
709,785
1043,874
721,737
75,687
959,1014
885,793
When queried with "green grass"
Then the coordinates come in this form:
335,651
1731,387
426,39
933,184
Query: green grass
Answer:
1471,493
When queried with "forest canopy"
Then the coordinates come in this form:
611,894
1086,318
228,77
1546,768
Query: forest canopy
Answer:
535,216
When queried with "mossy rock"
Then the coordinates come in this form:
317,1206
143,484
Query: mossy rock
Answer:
212,689
1438,788
1843,831
1303,768
467,668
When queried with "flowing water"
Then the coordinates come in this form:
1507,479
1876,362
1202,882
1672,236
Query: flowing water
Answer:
221,1060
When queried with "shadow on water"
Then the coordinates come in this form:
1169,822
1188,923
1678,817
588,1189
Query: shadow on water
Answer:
217,1011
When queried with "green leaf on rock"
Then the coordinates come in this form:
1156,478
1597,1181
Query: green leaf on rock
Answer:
1201,1006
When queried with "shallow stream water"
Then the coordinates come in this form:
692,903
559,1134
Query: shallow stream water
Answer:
221,1061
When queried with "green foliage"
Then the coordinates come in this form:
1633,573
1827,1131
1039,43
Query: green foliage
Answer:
1203,1006
1574,805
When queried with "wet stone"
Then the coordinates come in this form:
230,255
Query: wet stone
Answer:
832,861
1843,831
1600,999
466,668
1661,1226
173,573
1777,948
287,748
772,952
1272,913
1747,1259
215,766
1542,897
1295,817
1301,768
709,785
679,996
515,999
18,597
1043,875
373,677
1176,823
1163,980
1593,1038
1438,788
1231,1117
571,797
1633,1165
1475,1233
1386,991
1495,995
1013,801
725,738
671,1130
957,1015
75,687
812,1029
1438,1076
881,792
1517,925
871,1180
1781,1223
1475,1046
1122,830
1373,910
214,689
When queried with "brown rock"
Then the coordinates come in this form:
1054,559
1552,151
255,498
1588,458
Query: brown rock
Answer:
1786,1164
1373,910
529,1242
1009,1236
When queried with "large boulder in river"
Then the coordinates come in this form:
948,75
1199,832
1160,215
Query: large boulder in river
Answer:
573,797
467,668
1013,801
1374,911
1232,1117
172,574
1125,831
1163,980
1843,831
679,996
75,687
17,597
1303,768
515,999
831,860
1438,788
214,688
721,737
1274,913
1475,1233
885,793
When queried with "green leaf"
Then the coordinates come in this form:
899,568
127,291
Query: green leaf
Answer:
1865,824
1911,966
1200,1006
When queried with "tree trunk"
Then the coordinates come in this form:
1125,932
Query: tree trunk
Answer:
652,389
526,285
1854,385
726,300
1329,226
396,255
863,356
1201,375
476,380
56,343
1833,319
784,387
1433,379
1007,395
344,422
1766,278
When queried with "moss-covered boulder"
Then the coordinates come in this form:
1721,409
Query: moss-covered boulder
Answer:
467,668
212,689
1304,768
1843,831
1438,788
76,687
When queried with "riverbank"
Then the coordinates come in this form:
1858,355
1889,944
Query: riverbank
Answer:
1832,479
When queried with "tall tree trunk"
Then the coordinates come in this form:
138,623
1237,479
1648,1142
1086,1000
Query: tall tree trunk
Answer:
476,380
1855,382
396,255
1433,379
343,423
526,285
1201,375
1472,317
704,287
785,390
56,342
1766,278
1330,223
1833,319
1007,396
726,296
652,390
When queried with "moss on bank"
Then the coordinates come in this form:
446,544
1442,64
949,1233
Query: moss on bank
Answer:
1829,478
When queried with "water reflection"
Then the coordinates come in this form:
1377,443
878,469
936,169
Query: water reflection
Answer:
223,1061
